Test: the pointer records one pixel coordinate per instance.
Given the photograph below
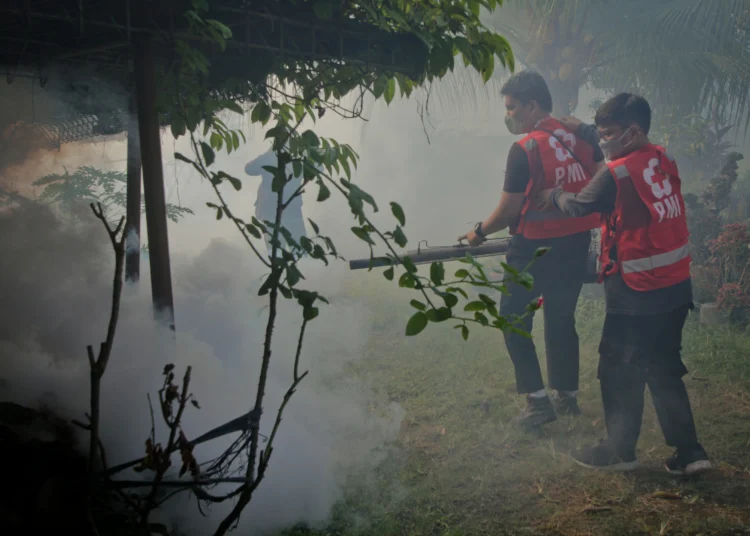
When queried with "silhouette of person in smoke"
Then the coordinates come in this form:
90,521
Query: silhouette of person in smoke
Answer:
265,204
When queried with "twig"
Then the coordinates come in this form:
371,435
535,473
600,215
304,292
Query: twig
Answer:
120,484
98,364
174,425
247,490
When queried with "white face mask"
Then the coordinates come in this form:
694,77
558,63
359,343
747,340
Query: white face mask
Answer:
614,148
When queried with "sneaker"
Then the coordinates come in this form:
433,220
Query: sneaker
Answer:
538,411
688,463
566,404
604,457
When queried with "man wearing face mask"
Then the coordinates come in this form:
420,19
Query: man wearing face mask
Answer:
645,267
548,155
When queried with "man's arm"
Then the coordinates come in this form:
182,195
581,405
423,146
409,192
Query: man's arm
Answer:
505,214
589,134
517,176
597,196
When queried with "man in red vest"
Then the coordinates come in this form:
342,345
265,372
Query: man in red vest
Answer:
645,267
549,155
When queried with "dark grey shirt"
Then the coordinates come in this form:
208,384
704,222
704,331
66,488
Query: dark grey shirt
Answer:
599,196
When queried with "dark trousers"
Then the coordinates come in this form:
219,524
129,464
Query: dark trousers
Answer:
636,351
558,278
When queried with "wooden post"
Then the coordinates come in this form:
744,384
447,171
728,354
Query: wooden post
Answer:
153,180
133,212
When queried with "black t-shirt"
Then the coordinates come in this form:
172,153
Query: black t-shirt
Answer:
517,172
569,253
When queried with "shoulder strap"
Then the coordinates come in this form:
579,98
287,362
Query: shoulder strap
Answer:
566,147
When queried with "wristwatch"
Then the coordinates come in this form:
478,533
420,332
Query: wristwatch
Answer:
478,230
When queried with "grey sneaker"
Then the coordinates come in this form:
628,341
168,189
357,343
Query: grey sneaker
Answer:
688,463
604,457
566,404
538,411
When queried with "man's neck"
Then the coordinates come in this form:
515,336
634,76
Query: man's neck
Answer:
541,118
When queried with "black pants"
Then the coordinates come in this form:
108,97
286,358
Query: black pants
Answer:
558,278
636,351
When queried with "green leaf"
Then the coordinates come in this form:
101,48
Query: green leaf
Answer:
362,235
418,305
437,273
357,196
261,113
180,156
416,324
461,291
310,139
232,105
378,88
526,280
208,154
310,313
390,90
487,300
489,67
236,183
438,315
293,275
177,126
399,237
253,230
398,212
216,141
450,300
219,213
509,269
314,226
409,265
347,169
461,274
389,274
541,252
323,192
481,319
464,331
407,280
475,306
519,331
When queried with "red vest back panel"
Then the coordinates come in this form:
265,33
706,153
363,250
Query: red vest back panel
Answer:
552,164
648,226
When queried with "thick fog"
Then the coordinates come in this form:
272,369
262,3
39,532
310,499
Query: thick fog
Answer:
56,288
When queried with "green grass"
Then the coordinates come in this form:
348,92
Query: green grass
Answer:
459,467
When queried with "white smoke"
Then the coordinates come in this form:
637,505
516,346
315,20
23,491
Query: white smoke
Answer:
57,291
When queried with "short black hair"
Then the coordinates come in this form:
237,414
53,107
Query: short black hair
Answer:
625,110
528,86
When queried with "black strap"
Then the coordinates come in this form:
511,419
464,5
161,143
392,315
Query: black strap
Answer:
566,147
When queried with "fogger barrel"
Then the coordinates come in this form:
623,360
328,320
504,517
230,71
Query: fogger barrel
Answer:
426,254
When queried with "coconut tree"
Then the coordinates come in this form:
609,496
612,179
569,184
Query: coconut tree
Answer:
692,55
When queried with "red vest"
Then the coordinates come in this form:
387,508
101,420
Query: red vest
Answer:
648,225
552,166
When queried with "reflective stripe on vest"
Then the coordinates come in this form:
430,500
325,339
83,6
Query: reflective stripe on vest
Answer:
621,172
530,144
657,261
